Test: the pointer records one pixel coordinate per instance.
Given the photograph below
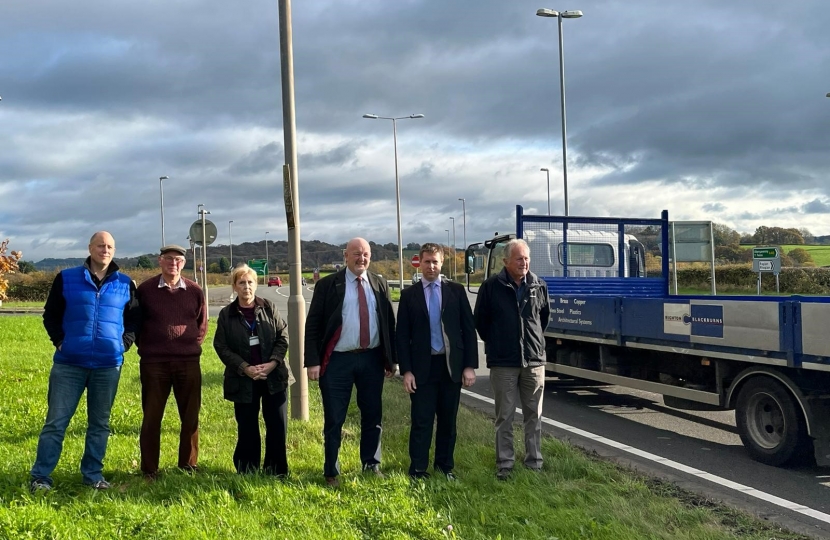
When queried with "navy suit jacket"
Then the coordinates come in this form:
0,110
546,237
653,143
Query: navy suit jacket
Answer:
413,335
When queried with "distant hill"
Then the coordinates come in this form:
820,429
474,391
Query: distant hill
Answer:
314,254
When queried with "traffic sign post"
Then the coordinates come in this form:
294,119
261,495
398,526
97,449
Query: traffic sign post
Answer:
260,266
416,261
766,259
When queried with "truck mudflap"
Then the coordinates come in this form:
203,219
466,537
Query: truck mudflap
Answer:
818,407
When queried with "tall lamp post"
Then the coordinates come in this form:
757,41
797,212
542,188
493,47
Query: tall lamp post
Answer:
548,172
267,270
562,15
230,236
203,213
161,193
454,264
448,238
464,215
397,179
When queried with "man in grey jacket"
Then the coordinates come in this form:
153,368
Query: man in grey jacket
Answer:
511,314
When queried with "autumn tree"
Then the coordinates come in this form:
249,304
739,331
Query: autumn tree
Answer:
8,265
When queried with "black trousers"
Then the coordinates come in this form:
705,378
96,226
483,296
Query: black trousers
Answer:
363,370
436,398
246,456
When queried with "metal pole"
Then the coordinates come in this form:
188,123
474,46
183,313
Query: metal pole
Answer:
267,270
398,201
454,265
448,238
296,302
464,215
161,194
674,258
230,236
712,243
564,129
204,261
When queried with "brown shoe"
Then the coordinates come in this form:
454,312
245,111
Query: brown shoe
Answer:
373,469
332,481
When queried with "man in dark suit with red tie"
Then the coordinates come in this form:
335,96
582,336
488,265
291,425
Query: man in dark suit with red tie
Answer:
438,352
350,341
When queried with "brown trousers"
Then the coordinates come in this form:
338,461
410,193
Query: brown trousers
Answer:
185,379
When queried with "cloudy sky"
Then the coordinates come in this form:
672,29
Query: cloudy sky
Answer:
711,110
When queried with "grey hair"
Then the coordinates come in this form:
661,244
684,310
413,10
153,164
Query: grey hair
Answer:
509,246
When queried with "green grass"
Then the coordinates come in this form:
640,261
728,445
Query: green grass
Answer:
16,304
577,495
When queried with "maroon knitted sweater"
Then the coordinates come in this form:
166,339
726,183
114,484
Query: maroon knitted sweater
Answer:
173,322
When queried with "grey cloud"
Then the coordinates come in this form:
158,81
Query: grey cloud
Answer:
816,206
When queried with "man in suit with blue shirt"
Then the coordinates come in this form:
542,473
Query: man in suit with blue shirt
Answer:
350,341
437,352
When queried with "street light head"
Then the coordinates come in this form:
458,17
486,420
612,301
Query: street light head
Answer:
828,94
416,115
546,13
163,177
575,14
371,116
545,169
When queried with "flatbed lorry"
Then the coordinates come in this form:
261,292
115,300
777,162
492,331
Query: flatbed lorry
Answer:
614,321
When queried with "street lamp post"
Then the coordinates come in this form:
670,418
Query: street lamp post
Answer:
562,15
161,193
267,270
397,180
203,213
454,265
230,237
448,238
548,172
464,215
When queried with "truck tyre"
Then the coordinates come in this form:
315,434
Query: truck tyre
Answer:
769,421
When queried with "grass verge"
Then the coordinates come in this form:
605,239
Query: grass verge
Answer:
576,496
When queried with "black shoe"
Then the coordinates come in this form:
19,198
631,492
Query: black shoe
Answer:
503,474
100,485
373,468
419,475
332,482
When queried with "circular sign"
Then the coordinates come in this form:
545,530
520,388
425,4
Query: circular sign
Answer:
196,232
416,261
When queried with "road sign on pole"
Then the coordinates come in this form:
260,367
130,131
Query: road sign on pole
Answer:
416,261
260,266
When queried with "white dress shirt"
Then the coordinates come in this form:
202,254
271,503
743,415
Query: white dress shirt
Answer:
350,333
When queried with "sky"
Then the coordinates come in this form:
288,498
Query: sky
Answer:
710,110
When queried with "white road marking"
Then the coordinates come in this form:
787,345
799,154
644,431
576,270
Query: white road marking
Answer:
747,490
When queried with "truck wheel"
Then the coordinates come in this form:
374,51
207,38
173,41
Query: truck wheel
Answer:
769,421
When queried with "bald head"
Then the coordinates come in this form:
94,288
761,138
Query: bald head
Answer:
101,249
358,255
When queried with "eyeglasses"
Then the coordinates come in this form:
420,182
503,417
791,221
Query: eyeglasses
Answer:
177,260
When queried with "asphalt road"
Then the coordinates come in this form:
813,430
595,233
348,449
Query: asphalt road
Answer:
706,446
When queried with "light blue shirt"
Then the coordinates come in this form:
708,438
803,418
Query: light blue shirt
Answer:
429,289
350,333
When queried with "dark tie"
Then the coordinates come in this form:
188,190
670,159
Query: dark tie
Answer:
364,314
435,333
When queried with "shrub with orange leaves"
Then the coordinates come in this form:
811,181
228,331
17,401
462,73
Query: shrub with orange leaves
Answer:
8,265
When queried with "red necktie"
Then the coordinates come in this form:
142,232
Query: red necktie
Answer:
364,314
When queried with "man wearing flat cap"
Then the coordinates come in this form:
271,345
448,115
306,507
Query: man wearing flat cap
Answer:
173,326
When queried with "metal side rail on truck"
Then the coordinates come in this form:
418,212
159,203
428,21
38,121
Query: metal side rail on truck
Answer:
614,321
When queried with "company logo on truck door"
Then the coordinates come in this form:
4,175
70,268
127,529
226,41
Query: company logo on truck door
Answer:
693,320
707,321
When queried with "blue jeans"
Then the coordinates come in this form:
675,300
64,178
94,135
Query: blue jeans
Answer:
66,386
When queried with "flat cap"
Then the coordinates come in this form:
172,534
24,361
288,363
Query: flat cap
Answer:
173,247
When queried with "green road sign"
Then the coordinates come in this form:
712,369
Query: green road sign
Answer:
764,253
260,266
